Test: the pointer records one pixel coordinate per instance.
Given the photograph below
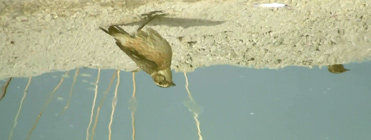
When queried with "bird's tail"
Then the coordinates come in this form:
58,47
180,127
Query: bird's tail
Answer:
115,31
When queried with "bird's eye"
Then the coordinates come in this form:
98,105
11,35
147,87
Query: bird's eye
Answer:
161,78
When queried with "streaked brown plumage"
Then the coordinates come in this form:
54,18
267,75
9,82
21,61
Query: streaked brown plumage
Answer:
337,68
148,50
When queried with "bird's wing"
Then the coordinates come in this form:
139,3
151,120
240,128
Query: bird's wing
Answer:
142,62
158,47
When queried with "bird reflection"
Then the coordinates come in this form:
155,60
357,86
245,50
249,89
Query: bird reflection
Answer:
148,50
337,68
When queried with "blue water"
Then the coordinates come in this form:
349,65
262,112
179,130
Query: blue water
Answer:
234,103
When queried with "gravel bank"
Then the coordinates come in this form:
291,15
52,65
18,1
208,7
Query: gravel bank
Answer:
38,37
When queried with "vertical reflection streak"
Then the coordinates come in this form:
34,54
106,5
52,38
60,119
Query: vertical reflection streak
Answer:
132,103
114,102
45,106
100,105
93,106
192,106
70,95
5,88
20,108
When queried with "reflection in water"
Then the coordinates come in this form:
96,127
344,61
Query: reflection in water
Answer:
100,105
70,95
193,107
114,102
20,107
132,106
93,106
337,68
189,103
45,106
5,88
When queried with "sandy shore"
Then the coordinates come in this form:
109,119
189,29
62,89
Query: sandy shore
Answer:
43,36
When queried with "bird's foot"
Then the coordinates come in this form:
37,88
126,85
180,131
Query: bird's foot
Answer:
150,16
153,14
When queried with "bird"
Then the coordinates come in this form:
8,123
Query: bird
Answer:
148,49
337,68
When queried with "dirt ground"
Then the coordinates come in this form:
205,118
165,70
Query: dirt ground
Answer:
54,35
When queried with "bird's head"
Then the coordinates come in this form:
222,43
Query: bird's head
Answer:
163,78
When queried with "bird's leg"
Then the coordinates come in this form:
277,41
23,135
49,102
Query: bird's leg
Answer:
153,13
150,16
